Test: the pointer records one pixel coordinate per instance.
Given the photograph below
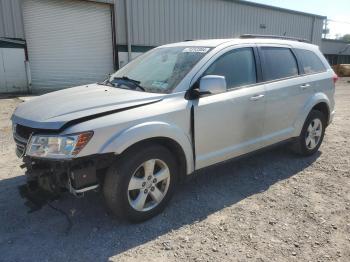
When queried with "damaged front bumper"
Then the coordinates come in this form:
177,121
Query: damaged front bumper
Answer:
47,179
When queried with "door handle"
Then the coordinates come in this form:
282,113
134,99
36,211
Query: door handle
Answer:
257,97
305,86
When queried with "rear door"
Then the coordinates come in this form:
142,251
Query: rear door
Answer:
285,93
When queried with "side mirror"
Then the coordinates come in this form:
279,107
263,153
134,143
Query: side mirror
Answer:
212,84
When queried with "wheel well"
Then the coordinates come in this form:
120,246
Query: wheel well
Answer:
172,146
322,107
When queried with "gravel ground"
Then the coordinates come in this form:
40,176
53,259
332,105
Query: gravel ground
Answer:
273,206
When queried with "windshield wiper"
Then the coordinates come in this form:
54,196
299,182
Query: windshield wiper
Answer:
134,82
127,79
106,83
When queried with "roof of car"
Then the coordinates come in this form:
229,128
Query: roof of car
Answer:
234,41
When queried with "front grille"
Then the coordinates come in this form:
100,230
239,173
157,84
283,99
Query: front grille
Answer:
24,131
21,135
20,150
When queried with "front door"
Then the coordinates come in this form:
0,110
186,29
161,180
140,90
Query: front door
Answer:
231,123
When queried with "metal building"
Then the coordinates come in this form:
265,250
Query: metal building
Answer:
336,51
71,42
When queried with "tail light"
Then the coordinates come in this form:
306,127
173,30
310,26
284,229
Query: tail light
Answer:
335,78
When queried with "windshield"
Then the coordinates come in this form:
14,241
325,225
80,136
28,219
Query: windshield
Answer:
159,70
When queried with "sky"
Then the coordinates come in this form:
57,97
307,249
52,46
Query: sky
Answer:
337,11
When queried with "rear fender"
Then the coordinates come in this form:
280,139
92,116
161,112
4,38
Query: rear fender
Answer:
304,112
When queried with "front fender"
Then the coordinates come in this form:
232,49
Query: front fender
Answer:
304,112
143,131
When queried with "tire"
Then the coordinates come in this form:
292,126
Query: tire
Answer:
127,183
311,135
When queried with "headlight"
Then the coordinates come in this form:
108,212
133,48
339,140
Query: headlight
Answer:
53,146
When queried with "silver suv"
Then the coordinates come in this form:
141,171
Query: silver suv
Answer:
176,109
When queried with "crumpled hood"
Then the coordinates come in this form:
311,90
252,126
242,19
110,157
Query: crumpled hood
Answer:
56,109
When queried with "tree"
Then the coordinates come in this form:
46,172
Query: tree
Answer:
346,38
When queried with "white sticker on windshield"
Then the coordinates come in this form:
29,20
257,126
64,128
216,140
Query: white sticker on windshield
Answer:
196,50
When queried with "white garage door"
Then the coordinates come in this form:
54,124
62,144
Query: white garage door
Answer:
69,42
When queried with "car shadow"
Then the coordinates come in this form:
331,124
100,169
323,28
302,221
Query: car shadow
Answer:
95,236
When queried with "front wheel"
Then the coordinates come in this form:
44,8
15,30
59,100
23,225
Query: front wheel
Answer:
139,185
312,134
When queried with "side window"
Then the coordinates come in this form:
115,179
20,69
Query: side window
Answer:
278,63
311,63
238,67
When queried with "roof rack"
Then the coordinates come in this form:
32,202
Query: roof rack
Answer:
274,37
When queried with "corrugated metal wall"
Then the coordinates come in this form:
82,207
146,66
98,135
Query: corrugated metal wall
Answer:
318,30
156,22
334,47
13,78
11,22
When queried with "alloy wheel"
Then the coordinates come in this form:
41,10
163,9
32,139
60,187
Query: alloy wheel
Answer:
313,134
148,185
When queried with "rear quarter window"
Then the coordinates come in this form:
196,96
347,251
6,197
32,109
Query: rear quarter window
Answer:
278,62
310,62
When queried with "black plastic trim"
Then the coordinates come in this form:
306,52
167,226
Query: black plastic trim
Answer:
114,39
134,48
87,118
8,44
193,135
259,75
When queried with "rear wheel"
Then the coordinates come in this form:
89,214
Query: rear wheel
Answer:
141,183
312,134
